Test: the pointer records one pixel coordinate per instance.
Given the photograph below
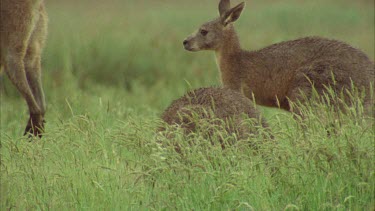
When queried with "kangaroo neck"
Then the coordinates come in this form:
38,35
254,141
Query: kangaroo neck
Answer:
228,59
230,43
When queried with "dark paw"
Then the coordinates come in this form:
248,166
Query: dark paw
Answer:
35,126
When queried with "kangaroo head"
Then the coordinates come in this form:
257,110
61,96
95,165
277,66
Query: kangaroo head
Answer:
210,35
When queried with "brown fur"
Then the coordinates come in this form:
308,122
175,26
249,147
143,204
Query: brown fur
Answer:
214,105
277,74
23,31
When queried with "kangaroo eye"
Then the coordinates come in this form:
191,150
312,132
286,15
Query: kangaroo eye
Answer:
204,32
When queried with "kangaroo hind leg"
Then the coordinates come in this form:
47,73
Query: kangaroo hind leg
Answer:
34,71
15,44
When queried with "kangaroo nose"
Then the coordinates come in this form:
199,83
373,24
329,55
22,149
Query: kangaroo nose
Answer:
185,42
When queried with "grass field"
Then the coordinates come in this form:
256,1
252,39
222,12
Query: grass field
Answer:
112,67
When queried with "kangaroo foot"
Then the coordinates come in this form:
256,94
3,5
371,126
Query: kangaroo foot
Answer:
35,125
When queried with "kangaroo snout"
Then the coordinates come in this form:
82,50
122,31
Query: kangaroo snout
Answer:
189,44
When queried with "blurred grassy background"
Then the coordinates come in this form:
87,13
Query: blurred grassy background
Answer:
133,48
111,67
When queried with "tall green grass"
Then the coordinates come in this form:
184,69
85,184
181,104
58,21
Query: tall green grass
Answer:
111,67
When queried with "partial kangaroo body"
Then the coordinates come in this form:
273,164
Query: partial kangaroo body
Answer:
281,71
23,30
276,75
216,106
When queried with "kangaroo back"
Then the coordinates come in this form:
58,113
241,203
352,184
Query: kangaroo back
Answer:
214,106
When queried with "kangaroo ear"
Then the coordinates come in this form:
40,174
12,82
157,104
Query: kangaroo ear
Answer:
224,6
233,14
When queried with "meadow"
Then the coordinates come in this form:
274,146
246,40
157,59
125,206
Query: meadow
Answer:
111,67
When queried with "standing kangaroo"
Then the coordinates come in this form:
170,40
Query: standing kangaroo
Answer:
23,30
284,72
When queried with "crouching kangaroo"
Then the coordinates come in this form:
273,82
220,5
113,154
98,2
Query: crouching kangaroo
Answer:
216,106
284,72
23,30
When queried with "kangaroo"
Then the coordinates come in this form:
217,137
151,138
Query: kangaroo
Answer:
214,105
23,31
285,72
